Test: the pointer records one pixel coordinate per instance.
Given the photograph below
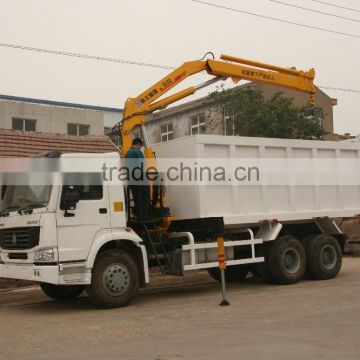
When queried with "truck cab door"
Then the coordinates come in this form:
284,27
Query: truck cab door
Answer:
77,228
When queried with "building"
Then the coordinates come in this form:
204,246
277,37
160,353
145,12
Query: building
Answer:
197,116
45,116
194,117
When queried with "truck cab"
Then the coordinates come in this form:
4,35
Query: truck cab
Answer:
53,234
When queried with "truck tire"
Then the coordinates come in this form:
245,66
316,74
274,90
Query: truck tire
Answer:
263,268
234,273
61,292
286,260
324,257
115,279
305,241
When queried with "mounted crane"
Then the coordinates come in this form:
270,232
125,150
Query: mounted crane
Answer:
136,109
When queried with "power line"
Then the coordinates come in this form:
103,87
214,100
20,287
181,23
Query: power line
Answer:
116,60
315,11
339,89
334,5
276,19
85,56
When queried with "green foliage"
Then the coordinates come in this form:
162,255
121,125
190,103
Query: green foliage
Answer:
249,114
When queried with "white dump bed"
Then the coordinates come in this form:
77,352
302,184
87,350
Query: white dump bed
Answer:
251,203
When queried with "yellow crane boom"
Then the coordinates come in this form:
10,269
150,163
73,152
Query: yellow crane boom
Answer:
136,109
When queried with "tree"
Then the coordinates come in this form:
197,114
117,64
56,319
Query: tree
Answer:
248,113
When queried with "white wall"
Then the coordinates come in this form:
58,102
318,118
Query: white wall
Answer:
50,118
111,118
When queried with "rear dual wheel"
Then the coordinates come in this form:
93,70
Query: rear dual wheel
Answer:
285,261
324,257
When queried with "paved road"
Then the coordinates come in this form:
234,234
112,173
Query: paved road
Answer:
310,320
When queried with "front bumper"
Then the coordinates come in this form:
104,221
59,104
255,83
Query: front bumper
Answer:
48,274
63,274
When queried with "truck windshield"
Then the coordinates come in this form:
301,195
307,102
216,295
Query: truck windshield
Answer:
15,197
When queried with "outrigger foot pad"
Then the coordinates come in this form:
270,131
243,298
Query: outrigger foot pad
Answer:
224,303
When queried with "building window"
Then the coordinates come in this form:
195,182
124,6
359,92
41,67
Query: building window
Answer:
23,124
166,132
78,129
197,124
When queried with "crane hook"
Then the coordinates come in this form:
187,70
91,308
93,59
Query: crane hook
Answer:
208,53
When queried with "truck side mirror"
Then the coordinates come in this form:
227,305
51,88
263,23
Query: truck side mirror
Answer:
69,200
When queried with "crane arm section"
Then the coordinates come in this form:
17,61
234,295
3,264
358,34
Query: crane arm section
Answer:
136,109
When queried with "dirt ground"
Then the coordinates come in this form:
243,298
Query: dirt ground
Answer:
179,318
9,284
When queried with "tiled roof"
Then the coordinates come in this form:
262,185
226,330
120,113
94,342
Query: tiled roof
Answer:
15,143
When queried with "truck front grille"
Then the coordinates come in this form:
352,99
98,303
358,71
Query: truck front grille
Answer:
19,238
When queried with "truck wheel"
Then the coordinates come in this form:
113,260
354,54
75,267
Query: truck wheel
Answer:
305,241
115,280
287,260
61,292
263,268
234,273
324,257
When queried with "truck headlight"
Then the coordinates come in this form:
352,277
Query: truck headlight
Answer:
45,255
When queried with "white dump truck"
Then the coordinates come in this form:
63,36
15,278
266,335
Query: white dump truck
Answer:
70,240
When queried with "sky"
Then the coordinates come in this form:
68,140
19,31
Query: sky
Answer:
170,32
